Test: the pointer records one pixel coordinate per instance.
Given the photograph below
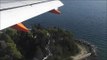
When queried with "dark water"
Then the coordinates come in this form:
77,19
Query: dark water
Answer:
86,19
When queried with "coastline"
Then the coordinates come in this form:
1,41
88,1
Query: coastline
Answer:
88,52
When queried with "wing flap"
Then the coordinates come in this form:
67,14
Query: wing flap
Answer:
20,27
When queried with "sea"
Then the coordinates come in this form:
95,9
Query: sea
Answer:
86,19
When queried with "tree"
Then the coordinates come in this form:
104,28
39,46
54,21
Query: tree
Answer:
11,49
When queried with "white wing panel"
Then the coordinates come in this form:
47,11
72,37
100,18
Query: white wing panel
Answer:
16,3
13,16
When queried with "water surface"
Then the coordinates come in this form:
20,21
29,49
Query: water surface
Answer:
86,19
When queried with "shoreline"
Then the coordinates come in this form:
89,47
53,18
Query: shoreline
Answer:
90,48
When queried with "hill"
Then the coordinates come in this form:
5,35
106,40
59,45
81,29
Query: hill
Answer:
38,44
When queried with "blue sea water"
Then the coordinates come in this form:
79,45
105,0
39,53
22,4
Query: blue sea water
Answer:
86,19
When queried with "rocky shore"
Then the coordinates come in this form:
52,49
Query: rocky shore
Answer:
90,49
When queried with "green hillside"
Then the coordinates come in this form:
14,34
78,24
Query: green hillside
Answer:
56,43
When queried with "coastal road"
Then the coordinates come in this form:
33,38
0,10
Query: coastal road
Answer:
83,54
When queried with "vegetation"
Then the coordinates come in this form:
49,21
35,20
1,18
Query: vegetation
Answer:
17,45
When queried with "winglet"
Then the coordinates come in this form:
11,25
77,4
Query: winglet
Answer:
20,27
55,11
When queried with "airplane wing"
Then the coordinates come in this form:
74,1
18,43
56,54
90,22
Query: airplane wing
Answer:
13,12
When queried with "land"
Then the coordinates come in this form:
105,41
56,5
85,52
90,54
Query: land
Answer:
43,44
87,51
82,54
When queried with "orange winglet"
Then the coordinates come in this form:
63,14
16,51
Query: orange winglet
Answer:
55,11
20,27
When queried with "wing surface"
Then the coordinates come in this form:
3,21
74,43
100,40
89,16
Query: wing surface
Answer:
16,11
